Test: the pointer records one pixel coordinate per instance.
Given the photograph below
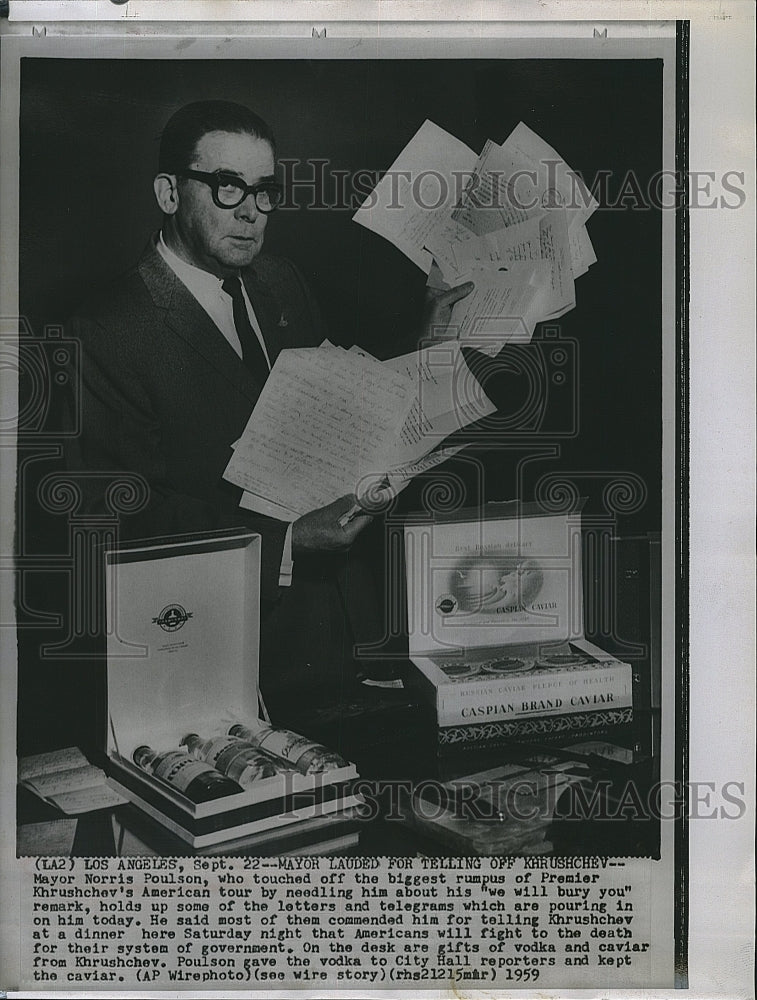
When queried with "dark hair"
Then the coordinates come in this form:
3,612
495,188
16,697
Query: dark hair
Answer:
189,124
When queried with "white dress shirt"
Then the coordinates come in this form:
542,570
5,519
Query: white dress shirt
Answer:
206,289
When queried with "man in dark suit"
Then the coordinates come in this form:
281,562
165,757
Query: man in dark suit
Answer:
175,354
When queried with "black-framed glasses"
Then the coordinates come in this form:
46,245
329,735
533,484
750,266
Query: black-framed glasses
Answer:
229,190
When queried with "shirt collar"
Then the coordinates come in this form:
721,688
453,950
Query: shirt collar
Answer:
195,278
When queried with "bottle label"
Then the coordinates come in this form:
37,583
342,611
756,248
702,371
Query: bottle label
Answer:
180,769
247,770
221,751
287,745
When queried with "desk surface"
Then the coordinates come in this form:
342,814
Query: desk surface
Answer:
390,739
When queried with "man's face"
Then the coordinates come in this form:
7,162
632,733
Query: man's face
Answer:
223,240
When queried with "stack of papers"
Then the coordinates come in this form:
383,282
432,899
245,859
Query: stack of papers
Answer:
330,422
511,220
66,779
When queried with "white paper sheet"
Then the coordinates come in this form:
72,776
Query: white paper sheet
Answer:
559,294
252,501
557,184
419,189
499,194
47,763
448,397
68,781
65,780
582,254
377,489
510,245
499,309
324,420
83,800
453,247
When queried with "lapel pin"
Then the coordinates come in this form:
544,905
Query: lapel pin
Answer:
283,321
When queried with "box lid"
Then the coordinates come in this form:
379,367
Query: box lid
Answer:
183,622
502,575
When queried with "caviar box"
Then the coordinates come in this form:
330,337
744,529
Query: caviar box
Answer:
182,657
495,621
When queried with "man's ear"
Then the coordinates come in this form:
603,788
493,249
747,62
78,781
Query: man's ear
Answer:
166,193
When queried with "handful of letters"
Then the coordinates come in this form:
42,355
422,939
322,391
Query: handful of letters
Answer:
511,220
331,421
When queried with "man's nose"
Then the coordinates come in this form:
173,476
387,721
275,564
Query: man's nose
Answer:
248,210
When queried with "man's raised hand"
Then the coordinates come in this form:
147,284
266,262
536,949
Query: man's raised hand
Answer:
438,311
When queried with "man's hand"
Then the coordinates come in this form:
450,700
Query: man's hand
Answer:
320,531
438,311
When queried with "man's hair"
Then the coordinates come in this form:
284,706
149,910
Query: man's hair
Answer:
189,124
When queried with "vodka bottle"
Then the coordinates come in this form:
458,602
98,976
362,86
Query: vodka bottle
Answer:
199,781
242,762
298,751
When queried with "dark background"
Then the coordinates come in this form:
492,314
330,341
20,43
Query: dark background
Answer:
89,138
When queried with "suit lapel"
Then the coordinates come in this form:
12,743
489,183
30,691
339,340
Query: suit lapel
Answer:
186,318
277,332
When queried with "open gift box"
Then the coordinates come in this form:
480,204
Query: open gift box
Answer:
183,622
496,634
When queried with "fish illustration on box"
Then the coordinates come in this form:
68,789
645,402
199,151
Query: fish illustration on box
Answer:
491,585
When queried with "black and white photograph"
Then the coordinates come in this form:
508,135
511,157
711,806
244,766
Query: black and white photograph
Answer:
349,559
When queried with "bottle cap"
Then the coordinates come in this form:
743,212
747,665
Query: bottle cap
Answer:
142,755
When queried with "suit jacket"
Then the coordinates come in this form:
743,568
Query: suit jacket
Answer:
164,395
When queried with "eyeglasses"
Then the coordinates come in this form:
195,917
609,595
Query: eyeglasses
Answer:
229,190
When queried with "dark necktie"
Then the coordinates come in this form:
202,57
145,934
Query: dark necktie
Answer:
252,352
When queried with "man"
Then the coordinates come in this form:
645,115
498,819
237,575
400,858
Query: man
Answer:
175,354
